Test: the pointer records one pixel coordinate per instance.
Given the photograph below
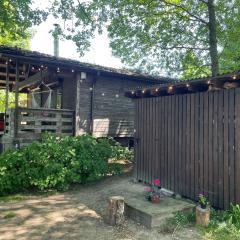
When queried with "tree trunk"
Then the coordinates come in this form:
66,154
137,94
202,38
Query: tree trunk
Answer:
212,25
115,211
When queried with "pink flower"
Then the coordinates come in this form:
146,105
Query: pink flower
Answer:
156,182
148,189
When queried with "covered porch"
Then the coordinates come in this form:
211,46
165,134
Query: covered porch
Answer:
35,99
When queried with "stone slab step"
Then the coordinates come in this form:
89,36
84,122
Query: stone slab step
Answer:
154,215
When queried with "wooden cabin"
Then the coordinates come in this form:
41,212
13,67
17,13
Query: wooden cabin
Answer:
64,96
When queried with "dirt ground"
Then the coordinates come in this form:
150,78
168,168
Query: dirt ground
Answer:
78,214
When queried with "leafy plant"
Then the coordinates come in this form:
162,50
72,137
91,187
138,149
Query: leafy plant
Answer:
202,201
120,152
179,220
153,190
56,163
224,225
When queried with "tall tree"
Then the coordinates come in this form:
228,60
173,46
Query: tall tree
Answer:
22,42
153,34
17,17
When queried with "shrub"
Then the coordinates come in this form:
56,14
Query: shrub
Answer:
56,163
120,152
224,224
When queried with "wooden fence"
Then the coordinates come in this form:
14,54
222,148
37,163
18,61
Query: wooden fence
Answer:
192,143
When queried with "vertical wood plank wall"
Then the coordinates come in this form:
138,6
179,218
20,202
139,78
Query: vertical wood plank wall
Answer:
191,143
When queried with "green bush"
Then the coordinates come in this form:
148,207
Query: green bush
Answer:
224,225
55,163
120,152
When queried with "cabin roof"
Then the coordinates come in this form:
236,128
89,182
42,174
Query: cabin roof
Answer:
41,58
223,81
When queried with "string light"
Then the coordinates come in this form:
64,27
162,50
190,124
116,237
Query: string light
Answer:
156,89
90,88
33,68
10,60
208,82
39,69
6,63
103,94
41,66
234,77
73,71
117,95
170,88
132,92
58,69
143,91
187,85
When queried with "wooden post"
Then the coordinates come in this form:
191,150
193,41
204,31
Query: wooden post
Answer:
92,105
115,211
16,100
7,91
77,104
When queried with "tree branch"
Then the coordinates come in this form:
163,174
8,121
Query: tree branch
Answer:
185,10
184,47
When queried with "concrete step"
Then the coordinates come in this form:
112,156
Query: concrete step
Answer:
154,215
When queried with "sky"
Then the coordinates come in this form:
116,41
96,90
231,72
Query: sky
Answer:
100,52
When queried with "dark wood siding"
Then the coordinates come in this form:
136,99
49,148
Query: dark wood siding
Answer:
192,143
112,112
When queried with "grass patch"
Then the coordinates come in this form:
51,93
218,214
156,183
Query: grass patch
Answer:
13,198
224,225
179,220
9,215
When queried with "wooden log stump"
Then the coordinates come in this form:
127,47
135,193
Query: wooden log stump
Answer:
115,211
202,216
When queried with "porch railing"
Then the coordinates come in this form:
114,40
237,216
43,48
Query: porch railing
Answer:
31,123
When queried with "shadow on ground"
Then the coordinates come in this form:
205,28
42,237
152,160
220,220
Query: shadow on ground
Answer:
78,214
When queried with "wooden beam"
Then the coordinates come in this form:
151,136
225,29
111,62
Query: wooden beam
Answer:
7,87
33,79
16,101
77,104
12,75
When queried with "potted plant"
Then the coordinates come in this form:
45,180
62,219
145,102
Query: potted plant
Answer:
202,201
202,211
153,191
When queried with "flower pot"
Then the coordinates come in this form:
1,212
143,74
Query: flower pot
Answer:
203,206
155,199
202,216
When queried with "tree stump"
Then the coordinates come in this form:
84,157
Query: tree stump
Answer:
202,216
115,211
